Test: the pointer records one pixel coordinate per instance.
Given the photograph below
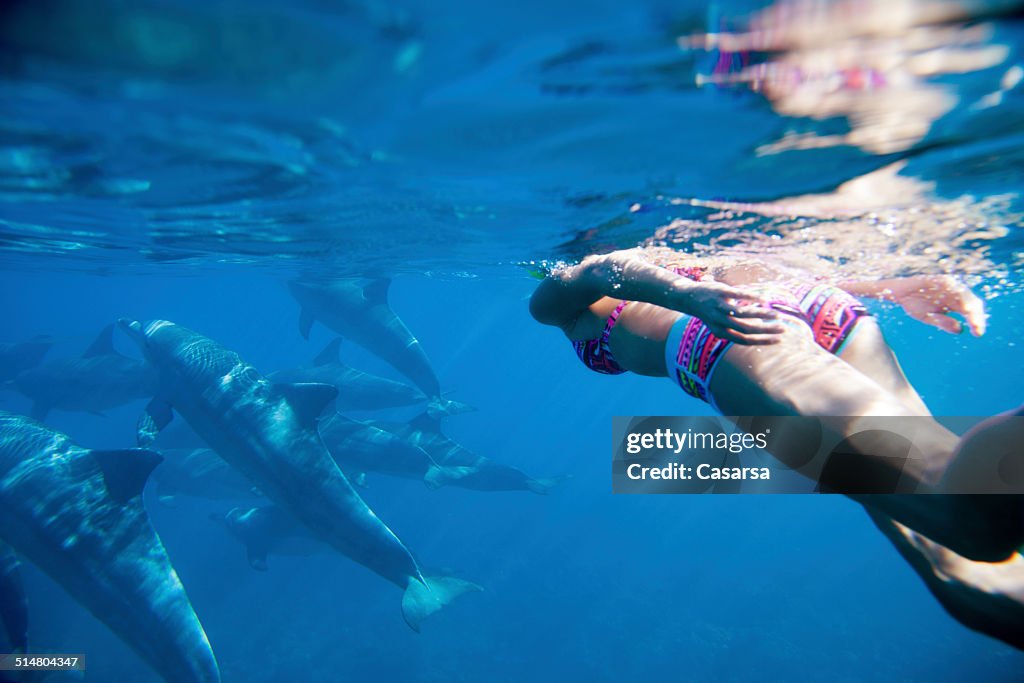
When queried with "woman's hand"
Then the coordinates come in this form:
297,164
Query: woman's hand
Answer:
730,313
933,298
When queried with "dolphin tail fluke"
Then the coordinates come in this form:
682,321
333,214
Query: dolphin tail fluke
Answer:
544,486
306,320
439,407
439,475
423,598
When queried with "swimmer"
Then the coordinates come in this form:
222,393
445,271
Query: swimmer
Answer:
751,339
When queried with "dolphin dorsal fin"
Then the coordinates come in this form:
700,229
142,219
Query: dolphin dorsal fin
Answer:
103,345
425,422
330,354
125,471
308,400
376,291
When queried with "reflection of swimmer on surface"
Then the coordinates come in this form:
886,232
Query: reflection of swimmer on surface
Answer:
866,60
751,339
880,224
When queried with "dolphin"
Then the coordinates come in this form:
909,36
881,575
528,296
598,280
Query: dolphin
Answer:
358,390
199,473
269,433
362,313
269,530
473,471
359,447
99,379
77,514
16,358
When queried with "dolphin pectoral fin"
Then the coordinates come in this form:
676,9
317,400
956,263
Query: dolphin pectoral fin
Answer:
421,599
439,475
158,415
308,400
40,410
306,320
125,471
329,354
376,291
103,345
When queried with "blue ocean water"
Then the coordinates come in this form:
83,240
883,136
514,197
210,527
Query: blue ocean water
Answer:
183,161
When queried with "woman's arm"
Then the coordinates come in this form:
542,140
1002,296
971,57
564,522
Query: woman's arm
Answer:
727,311
928,298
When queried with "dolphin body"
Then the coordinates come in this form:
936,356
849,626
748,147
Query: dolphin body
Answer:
269,530
357,390
269,433
463,467
363,314
99,379
77,514
359,447
16,358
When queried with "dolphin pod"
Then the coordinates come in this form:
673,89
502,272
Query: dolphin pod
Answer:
269,433
99,379
77,514
362,313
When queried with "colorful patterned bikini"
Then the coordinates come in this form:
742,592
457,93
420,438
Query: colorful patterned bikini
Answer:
692,352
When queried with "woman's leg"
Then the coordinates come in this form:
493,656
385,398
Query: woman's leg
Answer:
986,597
868,352
797,377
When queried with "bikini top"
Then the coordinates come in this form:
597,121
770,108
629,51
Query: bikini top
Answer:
596,354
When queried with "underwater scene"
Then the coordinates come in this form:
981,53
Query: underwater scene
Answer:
295,298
